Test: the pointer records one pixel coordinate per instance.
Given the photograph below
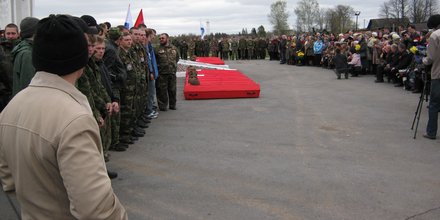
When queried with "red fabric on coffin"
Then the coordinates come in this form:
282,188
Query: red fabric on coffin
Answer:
221,84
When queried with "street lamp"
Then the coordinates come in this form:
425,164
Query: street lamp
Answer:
357,13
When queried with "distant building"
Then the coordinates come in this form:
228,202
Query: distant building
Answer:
390,23
13,11
421,26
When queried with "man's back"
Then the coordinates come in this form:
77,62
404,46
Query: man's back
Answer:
49,146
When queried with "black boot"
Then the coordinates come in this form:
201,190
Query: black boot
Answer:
112,174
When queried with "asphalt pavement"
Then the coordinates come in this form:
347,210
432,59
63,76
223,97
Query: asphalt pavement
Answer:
311,147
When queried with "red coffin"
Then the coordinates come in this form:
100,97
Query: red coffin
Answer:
221,84
210,60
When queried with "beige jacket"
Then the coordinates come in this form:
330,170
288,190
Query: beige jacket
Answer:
433,56
50,153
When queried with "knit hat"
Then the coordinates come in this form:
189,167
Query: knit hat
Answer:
28,26
114,34
433,21
60,46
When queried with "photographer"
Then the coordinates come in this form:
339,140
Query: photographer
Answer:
433,58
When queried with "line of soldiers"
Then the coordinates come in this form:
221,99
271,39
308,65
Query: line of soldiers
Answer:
227,48
124,76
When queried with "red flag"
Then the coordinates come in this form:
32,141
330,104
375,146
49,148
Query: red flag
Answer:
140,19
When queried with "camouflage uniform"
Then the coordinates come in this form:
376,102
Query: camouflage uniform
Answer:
262,46
184,50
214,48
167,57
206,50
234,47
140,55
225,49
118,75
128,94
199,48
191,48
242,46
90,85
250,48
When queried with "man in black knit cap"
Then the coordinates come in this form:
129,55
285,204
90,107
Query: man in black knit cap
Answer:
50,148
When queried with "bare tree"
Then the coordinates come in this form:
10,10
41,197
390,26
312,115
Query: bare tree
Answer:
320,18
306,13
398,8
421,10
339,19
345,13
417,12
278,17
385,10
431,7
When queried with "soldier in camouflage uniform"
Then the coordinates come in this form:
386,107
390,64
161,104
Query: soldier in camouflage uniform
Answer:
128,92
207,47
242,46
225,49
184,50
234,48
141,98
118,76
167,57
262,46
250,48
214,47
90,85
191,47
199,48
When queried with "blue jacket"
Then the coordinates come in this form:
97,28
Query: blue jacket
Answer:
152,64
318,47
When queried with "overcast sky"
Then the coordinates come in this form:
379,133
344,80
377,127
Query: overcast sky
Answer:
184,16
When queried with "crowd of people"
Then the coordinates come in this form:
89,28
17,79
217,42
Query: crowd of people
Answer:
393,56
227,48
396,55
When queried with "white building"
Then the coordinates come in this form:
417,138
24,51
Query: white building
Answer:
13,11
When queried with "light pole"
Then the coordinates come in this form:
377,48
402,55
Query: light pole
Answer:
357,13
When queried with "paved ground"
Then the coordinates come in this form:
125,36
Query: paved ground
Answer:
311,147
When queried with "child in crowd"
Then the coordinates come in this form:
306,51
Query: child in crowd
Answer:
355,61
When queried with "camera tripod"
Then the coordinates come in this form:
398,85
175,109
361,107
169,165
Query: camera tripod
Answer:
423,97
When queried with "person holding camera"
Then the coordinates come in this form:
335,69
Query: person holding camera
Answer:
433,58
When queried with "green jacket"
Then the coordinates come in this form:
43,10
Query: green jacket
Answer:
250,44
167,57
84,87
128,59
23,69
242,44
